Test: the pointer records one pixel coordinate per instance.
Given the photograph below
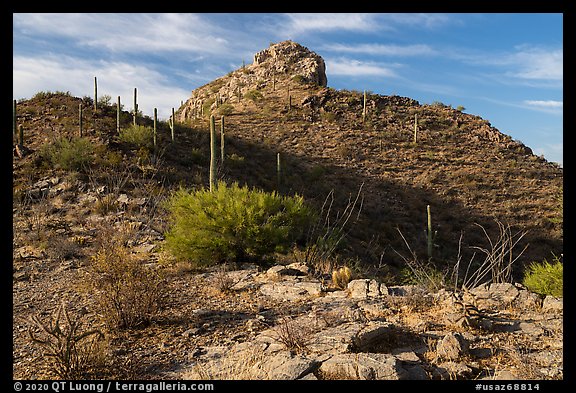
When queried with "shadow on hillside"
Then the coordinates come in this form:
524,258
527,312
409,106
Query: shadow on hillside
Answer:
393,219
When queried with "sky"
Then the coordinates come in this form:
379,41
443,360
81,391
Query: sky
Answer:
506,68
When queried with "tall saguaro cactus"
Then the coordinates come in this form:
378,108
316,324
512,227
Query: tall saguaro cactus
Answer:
21,135
80,118
415,127
212,154
95,94
118,115
172,125
155,122
222,140
430,236
278,170
364,108
135,105
15,120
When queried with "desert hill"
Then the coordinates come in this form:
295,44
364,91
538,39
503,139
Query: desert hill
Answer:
480,184
466,170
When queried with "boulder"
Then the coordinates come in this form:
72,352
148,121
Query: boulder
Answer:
452,347
365,366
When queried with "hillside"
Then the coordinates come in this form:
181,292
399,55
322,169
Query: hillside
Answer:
465,169
476,180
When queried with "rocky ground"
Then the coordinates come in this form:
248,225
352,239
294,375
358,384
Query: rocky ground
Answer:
284,324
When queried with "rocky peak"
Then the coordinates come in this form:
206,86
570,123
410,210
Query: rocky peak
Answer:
279,64
292,58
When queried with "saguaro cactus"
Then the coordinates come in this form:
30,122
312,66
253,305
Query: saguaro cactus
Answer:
135,105
80,118
118,115
95,94
21,135
430,236
172,124
278,170
415,127
222,140
14,120
212,154
364,108
155,122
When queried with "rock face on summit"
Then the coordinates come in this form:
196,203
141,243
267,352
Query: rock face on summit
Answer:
291,57
278,63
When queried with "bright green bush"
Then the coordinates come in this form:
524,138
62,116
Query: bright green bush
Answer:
69,153
137,135
545,278
233,224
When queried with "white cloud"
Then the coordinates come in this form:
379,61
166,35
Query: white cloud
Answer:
357,68
548,106
420,20
131,33
302,22
538,63
50,73
534,66
384,50
545,104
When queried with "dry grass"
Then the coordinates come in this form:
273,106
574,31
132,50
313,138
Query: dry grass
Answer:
293,334
128,293
243,365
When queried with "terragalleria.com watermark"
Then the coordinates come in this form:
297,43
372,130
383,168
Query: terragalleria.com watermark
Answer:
111,386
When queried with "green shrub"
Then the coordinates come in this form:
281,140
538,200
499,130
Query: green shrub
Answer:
137,135
75,153
233,224
253,95
299,79
225,109
545,278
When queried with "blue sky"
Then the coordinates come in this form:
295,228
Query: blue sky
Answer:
506,68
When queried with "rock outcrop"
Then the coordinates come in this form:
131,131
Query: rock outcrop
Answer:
370,331
277,64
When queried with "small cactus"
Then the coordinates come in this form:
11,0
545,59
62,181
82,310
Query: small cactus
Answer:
341,277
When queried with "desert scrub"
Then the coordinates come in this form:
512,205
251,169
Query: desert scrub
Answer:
128,293
254,95
70,348
72,154
233,224
545,278
225,109
138,136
